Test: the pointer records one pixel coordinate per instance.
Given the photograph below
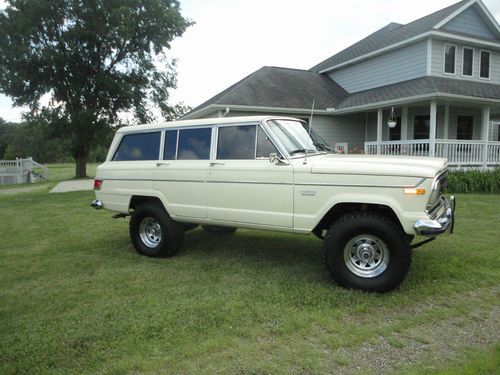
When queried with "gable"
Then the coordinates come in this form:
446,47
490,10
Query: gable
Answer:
472,21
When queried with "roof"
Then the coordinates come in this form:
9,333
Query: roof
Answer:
389,35
197,122
281,88
421,87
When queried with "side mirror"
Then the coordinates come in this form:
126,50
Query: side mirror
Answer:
276,159
273,156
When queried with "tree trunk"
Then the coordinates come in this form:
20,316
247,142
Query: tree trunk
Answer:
81,164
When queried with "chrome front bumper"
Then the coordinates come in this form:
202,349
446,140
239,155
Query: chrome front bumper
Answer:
428,227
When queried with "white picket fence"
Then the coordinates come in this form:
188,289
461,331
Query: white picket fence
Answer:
459,153
22,171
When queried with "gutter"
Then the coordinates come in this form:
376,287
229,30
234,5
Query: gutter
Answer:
221,107
392,102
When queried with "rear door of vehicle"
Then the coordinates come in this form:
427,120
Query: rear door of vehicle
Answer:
243,186
181,174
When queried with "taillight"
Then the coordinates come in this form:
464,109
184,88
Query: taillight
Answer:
97,184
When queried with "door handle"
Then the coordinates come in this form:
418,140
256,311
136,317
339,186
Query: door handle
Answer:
160,164
213,163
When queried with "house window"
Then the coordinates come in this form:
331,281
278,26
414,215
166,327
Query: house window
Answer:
421,126
465,125
449,58
484,65
468,62
395,132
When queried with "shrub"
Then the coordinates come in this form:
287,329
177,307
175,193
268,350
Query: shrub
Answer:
474,181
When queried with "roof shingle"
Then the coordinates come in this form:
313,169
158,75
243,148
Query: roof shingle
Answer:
280,88
388,35
421,86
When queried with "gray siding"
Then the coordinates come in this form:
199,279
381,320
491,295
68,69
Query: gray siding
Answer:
339,129
470,22
397,66
437,65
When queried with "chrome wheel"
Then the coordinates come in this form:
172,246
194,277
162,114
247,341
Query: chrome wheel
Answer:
366,256
150,232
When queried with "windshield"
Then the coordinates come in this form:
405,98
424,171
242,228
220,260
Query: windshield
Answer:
297,138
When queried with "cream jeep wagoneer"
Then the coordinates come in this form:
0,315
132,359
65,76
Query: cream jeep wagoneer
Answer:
274,173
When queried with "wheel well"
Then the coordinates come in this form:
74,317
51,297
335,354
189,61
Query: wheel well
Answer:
140,199
341,209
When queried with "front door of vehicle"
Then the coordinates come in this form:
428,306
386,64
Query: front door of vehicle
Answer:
243,185
181,175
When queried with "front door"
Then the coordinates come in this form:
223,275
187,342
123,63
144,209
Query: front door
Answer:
243,185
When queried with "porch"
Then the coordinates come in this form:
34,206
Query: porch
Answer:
459,153
462,132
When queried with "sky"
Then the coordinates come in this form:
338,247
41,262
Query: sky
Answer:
233,38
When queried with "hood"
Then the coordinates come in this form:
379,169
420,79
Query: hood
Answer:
379,165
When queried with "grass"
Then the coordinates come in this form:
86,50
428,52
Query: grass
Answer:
76,298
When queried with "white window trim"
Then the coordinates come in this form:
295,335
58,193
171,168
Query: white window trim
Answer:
463,62
489,67
444,59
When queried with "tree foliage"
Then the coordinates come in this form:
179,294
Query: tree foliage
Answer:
92,58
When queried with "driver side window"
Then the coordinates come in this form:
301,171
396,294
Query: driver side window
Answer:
243,142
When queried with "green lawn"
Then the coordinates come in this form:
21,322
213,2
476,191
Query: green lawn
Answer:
76,298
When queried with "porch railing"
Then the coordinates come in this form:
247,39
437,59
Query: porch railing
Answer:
21,171
458,152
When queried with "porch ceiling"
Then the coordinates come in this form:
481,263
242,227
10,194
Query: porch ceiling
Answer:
418,89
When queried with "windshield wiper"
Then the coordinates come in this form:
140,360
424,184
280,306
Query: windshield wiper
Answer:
301,150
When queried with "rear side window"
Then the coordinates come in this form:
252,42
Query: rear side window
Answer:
145,146
194,144
170,148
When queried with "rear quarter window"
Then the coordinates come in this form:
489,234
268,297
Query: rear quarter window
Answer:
142,146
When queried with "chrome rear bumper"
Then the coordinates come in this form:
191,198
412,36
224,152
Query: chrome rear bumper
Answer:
97,204
428,227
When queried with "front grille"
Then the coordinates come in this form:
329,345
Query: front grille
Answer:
437,210
437,196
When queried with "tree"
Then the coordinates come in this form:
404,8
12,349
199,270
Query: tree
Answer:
176,111
93,58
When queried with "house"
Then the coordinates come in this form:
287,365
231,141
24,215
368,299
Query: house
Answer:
437,77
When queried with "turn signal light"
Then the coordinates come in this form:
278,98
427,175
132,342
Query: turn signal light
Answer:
97,184
413,191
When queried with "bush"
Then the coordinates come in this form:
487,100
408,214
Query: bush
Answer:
474,181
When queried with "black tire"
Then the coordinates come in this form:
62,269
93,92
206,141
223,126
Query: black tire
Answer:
218,230
153,232
367,251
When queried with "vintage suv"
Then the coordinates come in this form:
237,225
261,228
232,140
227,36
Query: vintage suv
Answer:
274,173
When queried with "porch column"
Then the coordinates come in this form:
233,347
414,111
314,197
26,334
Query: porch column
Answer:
380,117
485,130
404,123
432,128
